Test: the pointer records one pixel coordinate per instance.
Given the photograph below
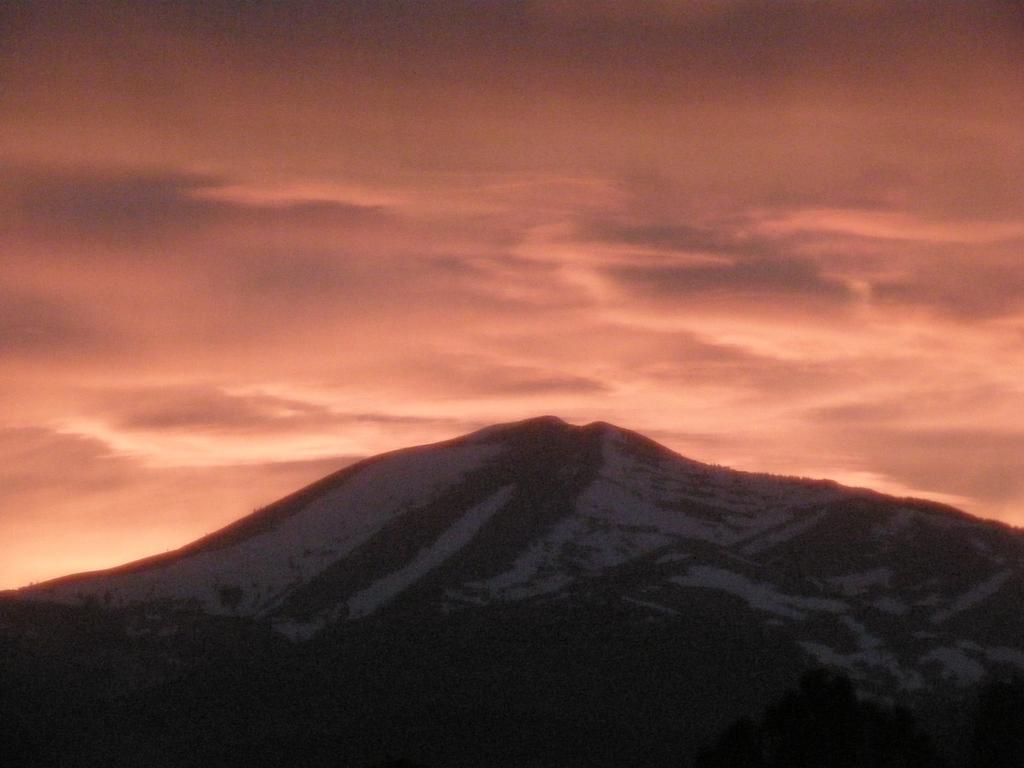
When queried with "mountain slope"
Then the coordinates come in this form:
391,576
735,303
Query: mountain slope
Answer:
905,595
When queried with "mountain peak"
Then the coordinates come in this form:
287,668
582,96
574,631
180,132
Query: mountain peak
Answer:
533,425
539,426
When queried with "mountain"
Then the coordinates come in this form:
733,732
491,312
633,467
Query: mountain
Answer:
536,579
541,511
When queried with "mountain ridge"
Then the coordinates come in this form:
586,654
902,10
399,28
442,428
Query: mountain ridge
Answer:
529,594
543,513
266,515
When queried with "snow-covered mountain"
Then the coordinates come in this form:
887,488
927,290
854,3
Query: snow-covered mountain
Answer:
905,595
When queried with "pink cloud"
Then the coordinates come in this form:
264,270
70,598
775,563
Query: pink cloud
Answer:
232,253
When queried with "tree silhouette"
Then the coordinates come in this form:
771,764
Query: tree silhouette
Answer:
738,747
823,723
998,740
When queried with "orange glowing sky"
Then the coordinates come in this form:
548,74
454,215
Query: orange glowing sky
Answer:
242,244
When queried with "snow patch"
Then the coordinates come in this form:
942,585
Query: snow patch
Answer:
761,596
1006,656
998,654
690,500
619,504
653,606
284,557
297,631
537,571
865,640
956,665
578,542
853,584
773,538
902,519
673,557
447,544
889,605
973,596
861,661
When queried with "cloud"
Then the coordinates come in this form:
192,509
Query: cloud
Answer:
957,438
758,98
193,409
207,408
689,361
57,492
890,259
33,456
140,206
893,225
235,233
669,236
990,286
486,376
984,465
79,204
33,325
778,278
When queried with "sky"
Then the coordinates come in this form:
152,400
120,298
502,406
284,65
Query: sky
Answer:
244,243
